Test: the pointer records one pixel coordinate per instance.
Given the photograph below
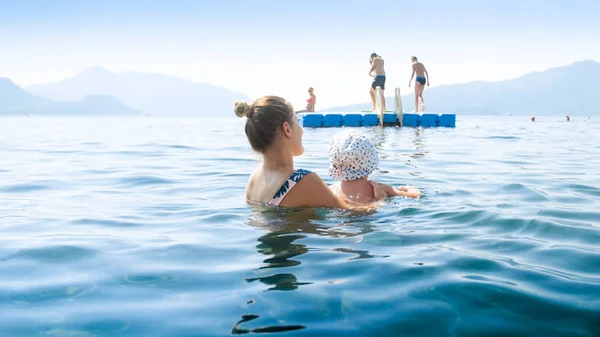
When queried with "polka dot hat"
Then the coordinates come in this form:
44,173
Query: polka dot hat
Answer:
352,156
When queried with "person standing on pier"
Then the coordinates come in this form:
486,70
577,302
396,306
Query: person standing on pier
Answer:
377,66
422,78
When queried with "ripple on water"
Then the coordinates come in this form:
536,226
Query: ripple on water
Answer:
53,254
143,180
583,189
30,187
524,193
50,294
146,279
105,223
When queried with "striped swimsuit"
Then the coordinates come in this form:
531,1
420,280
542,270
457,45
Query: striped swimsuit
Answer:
287,186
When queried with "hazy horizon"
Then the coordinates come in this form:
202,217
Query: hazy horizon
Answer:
269,47
388,93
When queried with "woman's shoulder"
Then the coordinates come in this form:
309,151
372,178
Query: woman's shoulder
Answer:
301,173
311,191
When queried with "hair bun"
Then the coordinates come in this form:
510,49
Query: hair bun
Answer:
241,108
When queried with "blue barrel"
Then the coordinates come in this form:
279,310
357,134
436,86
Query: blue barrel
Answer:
352,120
312,120
390,118
332,120
428,120
370,120
410,120
447,120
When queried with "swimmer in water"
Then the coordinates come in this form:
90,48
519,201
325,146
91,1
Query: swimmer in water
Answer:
352,158
273,131
422,78
310,102
533,118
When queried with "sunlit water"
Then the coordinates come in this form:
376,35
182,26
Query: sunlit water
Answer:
138,227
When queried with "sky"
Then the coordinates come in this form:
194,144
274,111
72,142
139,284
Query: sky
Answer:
279,47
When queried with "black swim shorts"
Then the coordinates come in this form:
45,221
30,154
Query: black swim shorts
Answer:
379,81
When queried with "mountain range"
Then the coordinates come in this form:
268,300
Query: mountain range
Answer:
568,90
16,100
153,94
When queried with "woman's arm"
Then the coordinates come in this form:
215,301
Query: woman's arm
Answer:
312,191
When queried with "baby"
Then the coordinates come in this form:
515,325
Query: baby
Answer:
352,158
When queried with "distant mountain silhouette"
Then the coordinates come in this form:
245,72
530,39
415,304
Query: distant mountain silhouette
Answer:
155,94
568,90
15,100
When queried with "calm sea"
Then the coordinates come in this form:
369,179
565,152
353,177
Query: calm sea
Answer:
138,227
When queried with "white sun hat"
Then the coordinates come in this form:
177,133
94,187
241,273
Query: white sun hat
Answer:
352,155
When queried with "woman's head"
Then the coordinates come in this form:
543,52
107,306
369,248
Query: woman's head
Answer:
352,155
271,121
310,90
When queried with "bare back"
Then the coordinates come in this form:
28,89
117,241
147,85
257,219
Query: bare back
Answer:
263,184
357,191
419,69
379,69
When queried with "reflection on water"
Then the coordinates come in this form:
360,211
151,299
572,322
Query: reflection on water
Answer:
281,244
237,330
360,254
379,138
285,228
419,144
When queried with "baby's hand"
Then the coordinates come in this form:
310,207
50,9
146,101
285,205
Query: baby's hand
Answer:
414,192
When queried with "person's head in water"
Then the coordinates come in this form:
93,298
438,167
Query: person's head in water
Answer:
414,59
271,124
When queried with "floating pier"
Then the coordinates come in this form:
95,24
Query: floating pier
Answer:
387,118
425,120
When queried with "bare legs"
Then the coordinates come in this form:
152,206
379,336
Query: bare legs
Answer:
419,94
372,92
422,100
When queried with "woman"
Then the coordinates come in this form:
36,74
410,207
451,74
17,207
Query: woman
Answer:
310,102
273,131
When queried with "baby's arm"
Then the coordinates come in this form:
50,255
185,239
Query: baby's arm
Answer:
406,191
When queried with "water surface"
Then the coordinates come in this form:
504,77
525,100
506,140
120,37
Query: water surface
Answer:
138,227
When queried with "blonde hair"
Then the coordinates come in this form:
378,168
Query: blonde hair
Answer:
264,118
241,108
